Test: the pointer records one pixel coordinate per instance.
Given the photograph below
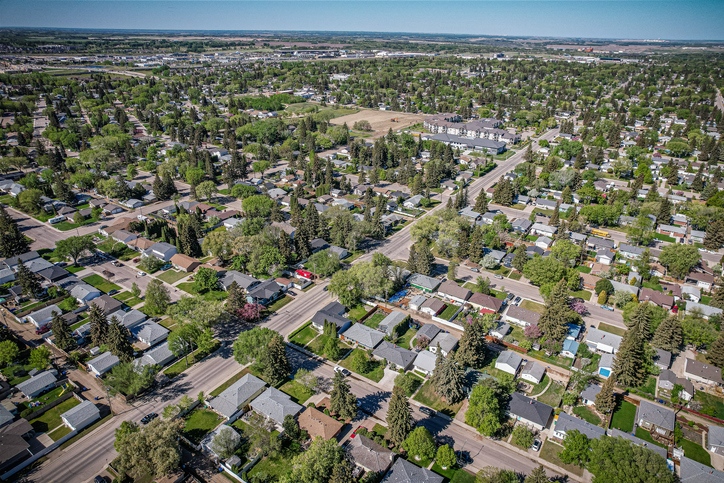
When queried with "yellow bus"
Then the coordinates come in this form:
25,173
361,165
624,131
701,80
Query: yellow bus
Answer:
600,233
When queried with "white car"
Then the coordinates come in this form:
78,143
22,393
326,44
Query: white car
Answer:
141,274
342,370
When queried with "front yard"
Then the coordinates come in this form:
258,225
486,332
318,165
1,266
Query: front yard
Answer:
375,370
427,396
101,283
298,393
532,306
549,452
171,276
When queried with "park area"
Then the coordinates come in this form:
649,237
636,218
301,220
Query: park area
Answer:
381,121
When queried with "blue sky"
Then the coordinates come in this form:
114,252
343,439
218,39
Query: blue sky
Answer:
632,19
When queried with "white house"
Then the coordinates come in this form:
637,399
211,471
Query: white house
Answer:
425,362
533,372
588,396
80,416
84,293
508,361
161,250
103,363
603,341
42,317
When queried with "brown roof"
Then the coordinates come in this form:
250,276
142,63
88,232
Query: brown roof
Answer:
184,261
107,304
705,371
370,455
448,287
316,423
589,279
486,301
656,297
214,267
141,242
701,277
597,268
225,215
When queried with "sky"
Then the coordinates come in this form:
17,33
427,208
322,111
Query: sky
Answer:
610,19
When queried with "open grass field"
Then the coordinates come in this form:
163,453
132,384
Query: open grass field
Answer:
380,120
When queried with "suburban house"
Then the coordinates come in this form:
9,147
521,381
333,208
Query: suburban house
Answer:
544,243
500,331
671,230
389,324
318,424
245,282
428,331
405,472
567,423
149,333
332,312
690,293
629,251
362,335
589,281
396,356
691,471
529,411
533,372
588,396
416,301
184,263
655,418
425,362
715,439
486,304
570,348
80,416
37,384
702,373
657,298
423,282
264,293
107,304
662,359
128,319
667,381
521,316
706,311
543,230
15,444
433,306
161,250
445,341
605,365
702,280
235,398
275,405
368,455
454,292
157,356
508,361
42,317
603,341
103,363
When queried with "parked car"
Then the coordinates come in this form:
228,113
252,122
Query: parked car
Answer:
148,418
607,307
116,263
141,274
474,270
42,330
498,276
135,260
60,264
517,300
536,445
342,370
113,292
293,294
427,411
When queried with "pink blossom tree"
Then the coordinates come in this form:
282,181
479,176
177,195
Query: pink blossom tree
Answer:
532,332
250,312
578,307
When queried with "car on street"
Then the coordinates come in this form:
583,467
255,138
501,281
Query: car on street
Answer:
427,411
141,274
536,445
498,276
341,370
112,292
324,289
60,264
148,418
42,330
116,263
606,307
474,270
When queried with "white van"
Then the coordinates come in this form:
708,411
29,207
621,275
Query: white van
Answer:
56,219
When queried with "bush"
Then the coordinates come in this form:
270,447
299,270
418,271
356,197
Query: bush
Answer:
151,264
26,412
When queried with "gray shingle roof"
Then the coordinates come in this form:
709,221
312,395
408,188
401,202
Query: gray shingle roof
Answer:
529,409
420,280
104,362
242,280
77,415
397,355
567,423
716,436
392,320
511,358
691,471
369,455
159,355
590,392
36,383
657,415
429,331
425,360
364,335
596,336
128,319
149,332
446,341
275,405
228,402
405,472
534,369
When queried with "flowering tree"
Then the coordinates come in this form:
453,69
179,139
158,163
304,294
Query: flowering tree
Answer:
578,307
250,312
532,332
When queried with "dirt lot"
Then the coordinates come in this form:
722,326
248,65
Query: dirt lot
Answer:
380,120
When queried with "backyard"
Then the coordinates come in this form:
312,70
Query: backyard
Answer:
199,423
358,311
710,404
624,416
427,396
553,395
50,419
374,320
585,413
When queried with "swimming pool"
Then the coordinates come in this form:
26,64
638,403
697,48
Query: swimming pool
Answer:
604,372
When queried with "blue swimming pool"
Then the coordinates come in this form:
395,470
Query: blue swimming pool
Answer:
604,372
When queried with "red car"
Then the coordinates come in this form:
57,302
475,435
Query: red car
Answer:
42,330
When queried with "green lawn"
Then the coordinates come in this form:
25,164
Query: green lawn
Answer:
537,388
374,320
641,433
298,392
59,433
514,276
705,299
549,452
427,396
100,283
279,304
358,311
128,299
586,414
553,395
533,306
583,269
303,336
462,476
189,288
653,286
168,323
710,404
274,467
74,268
406,337
375,369
650,386
584,294
199,423
665,238
226,385
417,382
171,276
181,366
611,329
696,452
449,311
623,417
123,296
448,473
50,419
10,371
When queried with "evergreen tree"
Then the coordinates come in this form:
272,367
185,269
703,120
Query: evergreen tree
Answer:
664,215
714,238
61,332
448,380
412,259
715,355
567,196
399,417
12,241
189,242
275,361
425,258
342,401
698,183
555,217
520,259
673,178
481,203
236,299
629,364
538,475
158,187
117,341
717,298
472,348
98,325
606,399
169,188
477,243
640,320
28,280
669,335
557,314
